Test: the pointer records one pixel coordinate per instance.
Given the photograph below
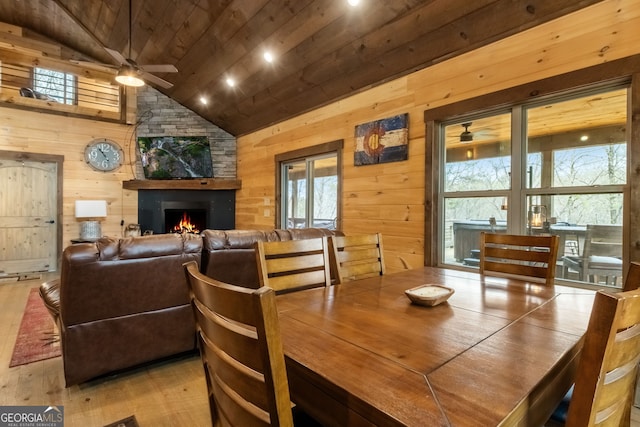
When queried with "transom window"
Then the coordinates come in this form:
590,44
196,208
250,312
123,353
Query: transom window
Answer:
557,167
58,85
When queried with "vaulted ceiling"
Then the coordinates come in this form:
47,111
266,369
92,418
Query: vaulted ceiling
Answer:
324,50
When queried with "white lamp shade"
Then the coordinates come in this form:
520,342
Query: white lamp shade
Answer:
91,208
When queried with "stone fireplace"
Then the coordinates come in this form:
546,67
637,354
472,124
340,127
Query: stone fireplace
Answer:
170,211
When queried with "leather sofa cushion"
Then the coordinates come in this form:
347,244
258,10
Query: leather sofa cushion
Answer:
110,249
215,240
310,233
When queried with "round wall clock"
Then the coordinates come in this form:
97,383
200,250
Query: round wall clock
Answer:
103,155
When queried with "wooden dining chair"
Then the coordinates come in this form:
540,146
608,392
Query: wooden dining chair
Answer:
633,277
607,372
241,350
356,257
519,255
293,264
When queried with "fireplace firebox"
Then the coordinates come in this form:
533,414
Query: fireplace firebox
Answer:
185,211
185,220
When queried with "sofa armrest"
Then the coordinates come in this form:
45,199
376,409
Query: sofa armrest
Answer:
50,294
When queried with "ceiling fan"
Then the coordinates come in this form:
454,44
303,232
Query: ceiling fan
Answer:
131,73
485,132
467,135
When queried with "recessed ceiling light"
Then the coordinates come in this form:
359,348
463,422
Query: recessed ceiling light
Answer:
203,100
584,137
353,2
268,56
230,82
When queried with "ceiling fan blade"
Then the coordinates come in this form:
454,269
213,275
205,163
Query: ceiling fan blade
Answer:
117,56
157,80
159,68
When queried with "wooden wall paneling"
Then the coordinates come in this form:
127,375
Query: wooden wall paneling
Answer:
398,199
34,132
18,50
633,224
514,64
22,57
15,37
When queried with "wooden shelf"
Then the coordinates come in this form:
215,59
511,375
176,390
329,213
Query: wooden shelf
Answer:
183,184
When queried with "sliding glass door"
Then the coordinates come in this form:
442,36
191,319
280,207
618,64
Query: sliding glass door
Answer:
310,192
557,167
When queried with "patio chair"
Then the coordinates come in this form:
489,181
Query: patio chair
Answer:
601,256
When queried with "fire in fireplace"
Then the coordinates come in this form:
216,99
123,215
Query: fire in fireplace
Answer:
185,221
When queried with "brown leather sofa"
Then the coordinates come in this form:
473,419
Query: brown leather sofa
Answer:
229,255
123,302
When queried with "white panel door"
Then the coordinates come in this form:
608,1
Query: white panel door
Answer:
28,196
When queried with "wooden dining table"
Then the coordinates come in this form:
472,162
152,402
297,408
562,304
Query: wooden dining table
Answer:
498,352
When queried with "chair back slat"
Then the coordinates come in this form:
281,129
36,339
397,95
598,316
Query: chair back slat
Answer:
311,261
241,350
519,255
293,264
516,269
298,281
234,340
356,257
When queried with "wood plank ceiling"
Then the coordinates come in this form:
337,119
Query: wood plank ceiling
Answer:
324,49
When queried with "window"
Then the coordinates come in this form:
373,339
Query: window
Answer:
555,167
309,184
55,85
310,192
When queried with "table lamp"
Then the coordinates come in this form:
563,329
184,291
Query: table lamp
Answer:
91,211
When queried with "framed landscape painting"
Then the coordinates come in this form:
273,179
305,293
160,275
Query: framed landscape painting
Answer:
382,141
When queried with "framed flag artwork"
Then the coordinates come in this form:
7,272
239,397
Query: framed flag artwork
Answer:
382,141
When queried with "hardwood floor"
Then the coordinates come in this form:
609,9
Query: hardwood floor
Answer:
171,393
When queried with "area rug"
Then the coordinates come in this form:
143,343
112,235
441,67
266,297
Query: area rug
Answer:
127,422
37,338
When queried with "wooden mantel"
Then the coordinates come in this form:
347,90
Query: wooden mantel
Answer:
183,184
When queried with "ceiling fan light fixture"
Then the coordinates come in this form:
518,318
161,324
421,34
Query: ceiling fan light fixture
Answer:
466,136
129,77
